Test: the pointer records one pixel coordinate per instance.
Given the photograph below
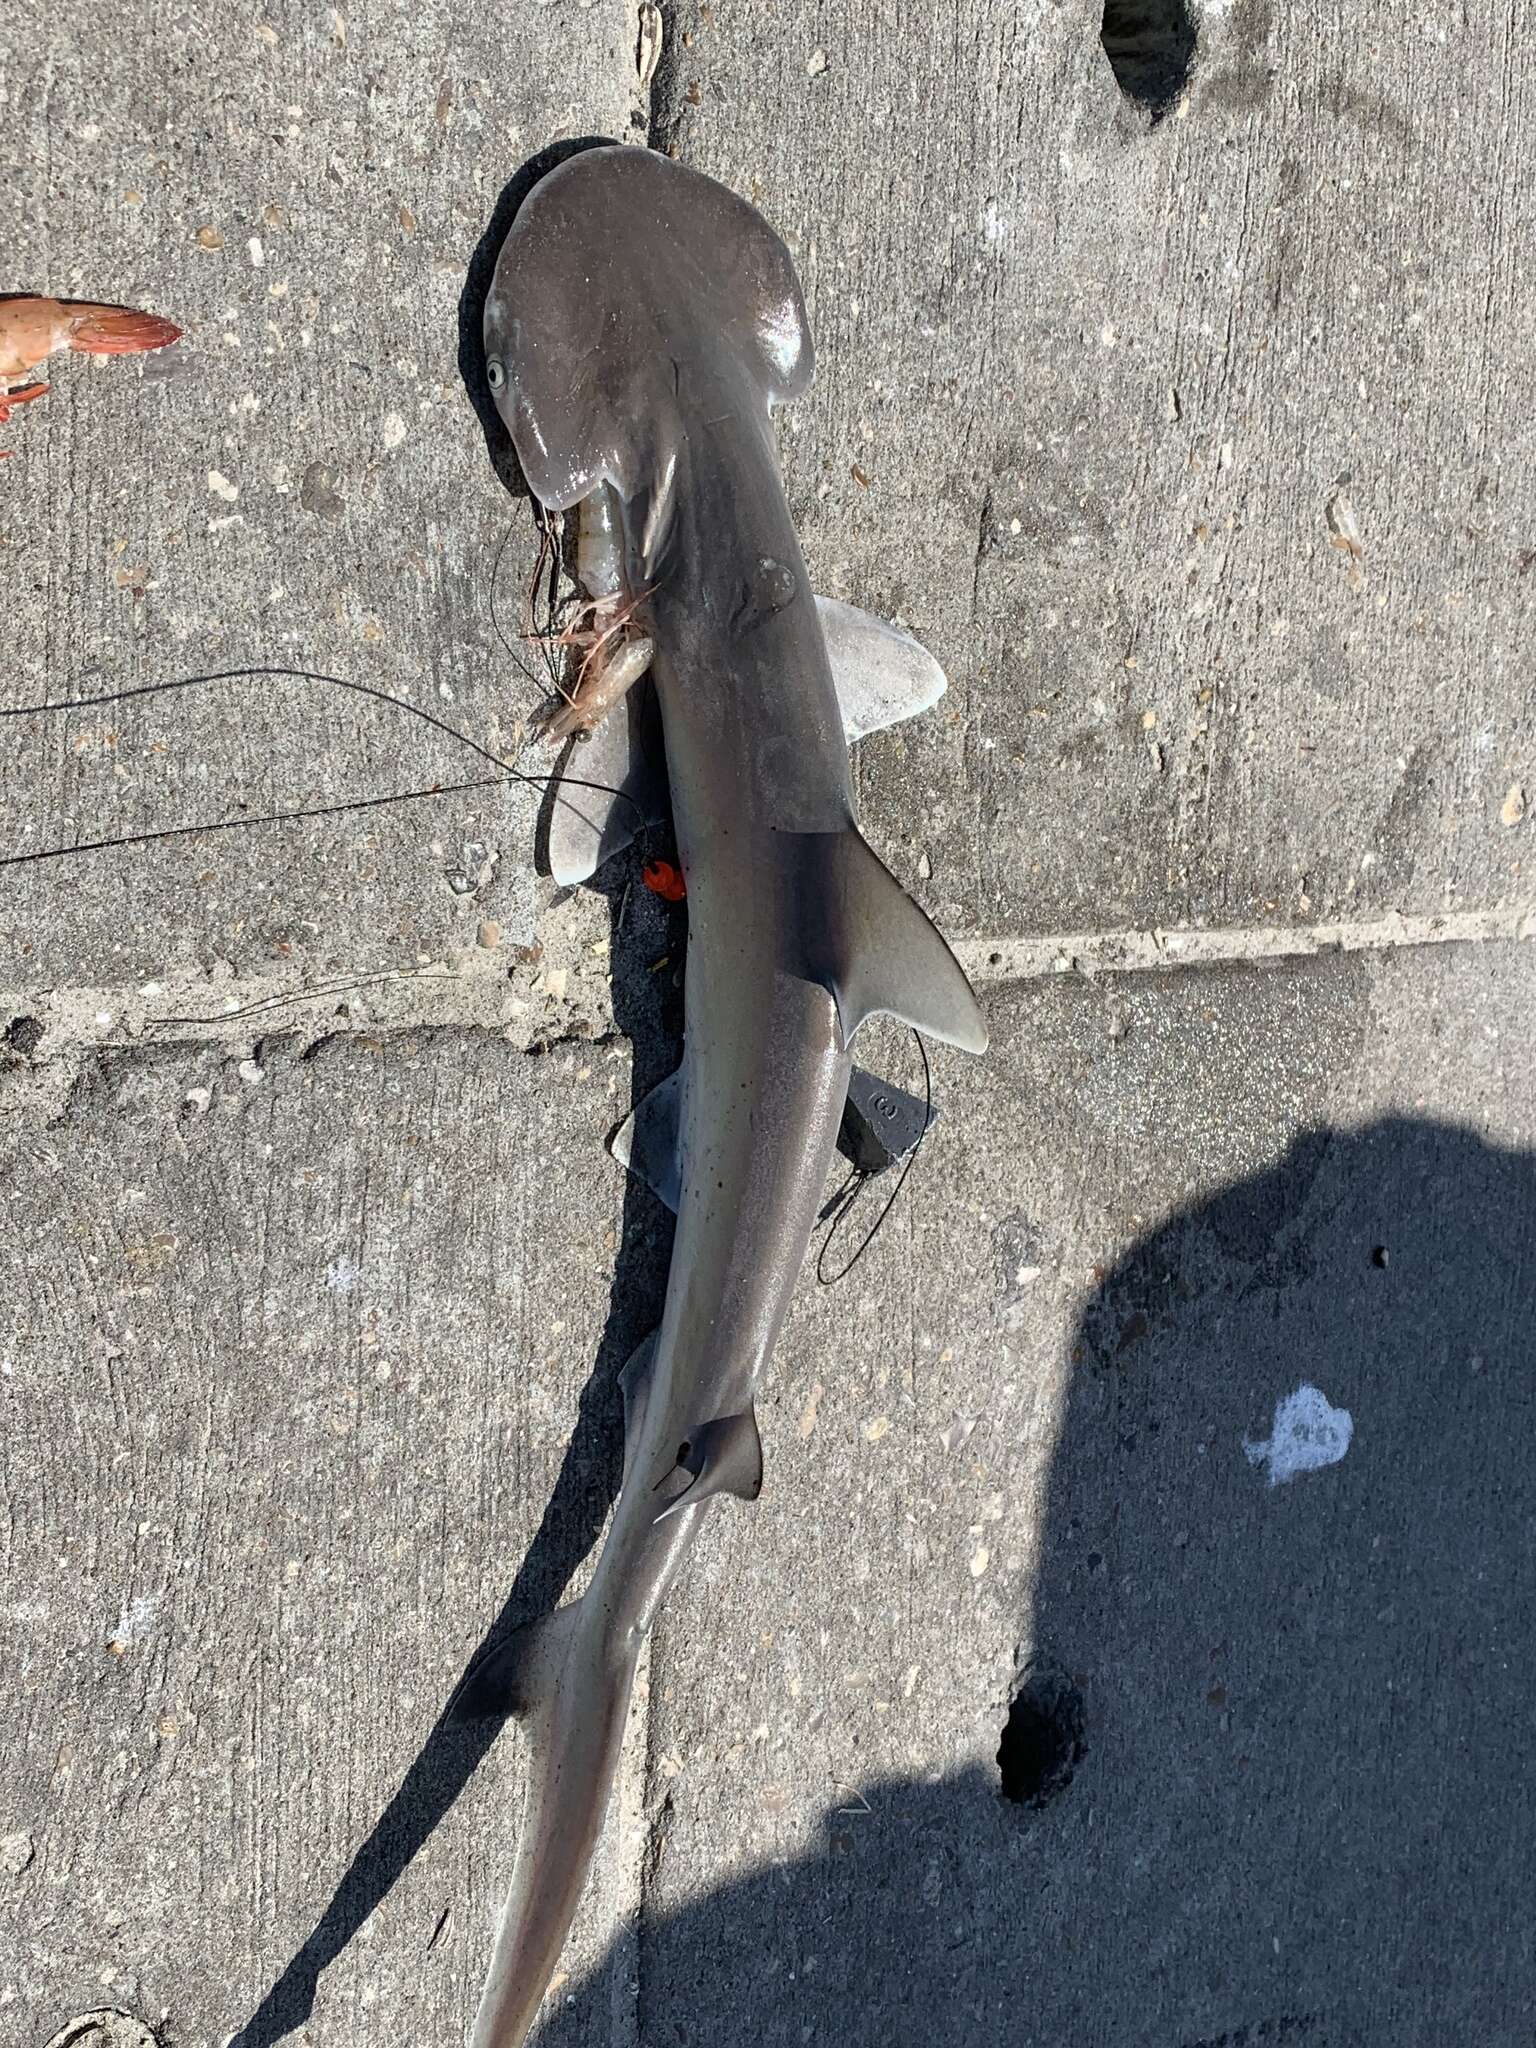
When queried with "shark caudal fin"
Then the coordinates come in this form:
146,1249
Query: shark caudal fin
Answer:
865,940
575,1707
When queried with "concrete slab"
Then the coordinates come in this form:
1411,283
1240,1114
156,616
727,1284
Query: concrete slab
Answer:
1198,453
1195,452
1024,1439
289,1381
302,482
291,1364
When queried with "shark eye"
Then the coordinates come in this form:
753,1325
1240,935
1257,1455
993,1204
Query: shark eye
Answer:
496,372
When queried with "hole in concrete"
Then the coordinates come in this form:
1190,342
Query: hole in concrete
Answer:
1043,1737
1380,1255
1150,45
25,1034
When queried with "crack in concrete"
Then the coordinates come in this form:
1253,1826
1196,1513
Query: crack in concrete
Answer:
539,1009
1131,952
533,1013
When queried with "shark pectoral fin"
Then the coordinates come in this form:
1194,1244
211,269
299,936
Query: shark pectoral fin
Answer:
882,674
635,1384
608,790
724,1456
646,1141
863,938
517,1674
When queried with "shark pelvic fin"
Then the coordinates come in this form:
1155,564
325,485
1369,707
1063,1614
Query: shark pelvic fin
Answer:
865,940
882,674
608,789
723,1456
517,1674
646,1141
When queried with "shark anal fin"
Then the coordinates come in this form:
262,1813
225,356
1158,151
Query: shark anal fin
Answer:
865,940
882,674
646,1141
723,1456
517,1674
635,1385
608,789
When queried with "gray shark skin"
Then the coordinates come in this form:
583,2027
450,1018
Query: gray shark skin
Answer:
641,326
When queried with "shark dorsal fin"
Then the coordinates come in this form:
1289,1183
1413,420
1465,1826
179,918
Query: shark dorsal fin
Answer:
647,1140
865,940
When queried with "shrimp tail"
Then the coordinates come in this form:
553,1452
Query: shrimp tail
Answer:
118,331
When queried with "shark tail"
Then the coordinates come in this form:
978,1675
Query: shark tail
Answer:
572,1694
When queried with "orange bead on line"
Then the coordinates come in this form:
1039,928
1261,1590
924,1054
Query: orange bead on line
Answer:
664,880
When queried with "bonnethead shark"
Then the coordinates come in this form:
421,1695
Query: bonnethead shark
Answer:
642,325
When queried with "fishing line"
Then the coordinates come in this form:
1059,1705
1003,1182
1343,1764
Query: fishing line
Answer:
508,646
496,626
841,1204
360,803
228,675
371,690
314,992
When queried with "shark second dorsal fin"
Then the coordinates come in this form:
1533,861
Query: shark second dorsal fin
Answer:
635,1385
864,939
724,1456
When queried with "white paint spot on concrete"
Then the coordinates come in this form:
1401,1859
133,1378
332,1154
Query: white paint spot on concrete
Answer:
341,1274
959,1432
135,1621
1308,1434
221,487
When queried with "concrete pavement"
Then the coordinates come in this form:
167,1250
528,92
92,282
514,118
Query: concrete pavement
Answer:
1197,452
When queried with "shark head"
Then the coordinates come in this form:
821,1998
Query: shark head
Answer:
631,296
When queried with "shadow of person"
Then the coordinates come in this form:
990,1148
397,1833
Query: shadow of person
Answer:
647,1010
1274,1783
